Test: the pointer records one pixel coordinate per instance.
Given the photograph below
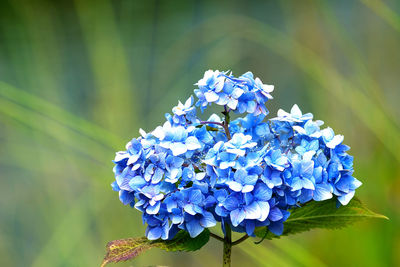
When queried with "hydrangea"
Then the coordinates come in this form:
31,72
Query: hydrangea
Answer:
190,174
242,94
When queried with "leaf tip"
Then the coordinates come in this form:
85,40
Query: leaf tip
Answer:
381,216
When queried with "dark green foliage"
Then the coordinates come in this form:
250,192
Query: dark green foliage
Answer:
322,214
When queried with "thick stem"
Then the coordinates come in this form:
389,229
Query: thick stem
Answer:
226,123
226,258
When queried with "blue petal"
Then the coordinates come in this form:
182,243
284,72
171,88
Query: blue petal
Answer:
153,209
115,186
137,182
251,179
158,175
265,209
211,96
190,208
276,228
126,197
247,188
237,216
297,184
308,184
345,199
251,107
252,211
322,192
237,92
154,233
240,176
195,196
250,226
307,168
208,220
275,214
165,231
194,228
192,143
235,186
189,102
231,203
178,149
262,192
335,141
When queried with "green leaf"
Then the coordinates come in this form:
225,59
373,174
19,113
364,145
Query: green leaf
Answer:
129,248
323,214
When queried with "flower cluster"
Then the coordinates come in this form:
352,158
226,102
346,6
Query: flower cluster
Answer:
189,174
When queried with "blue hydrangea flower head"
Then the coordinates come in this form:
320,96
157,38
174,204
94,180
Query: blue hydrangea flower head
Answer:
190,174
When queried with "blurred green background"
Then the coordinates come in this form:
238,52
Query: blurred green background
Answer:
79,78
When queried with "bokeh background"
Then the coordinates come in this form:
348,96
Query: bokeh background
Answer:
79,78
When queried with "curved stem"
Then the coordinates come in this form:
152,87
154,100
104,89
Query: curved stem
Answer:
217,237
212,122
240,240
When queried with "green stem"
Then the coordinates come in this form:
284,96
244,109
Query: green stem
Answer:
226,259
225,124
217,237
237,242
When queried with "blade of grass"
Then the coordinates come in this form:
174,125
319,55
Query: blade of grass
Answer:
58,114
108,59
54,130
385,12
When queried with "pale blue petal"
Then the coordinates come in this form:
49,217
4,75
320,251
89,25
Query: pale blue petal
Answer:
211,96
307,168
307,184
208,220
178,149
335,141
137,182
192,143
232,103
264,207
153,209
237,216
251,179
247,188
158,175
297,184
235,186
345,199
322,192
189,208
154,233
252,211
